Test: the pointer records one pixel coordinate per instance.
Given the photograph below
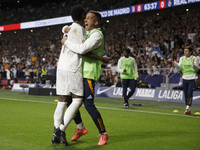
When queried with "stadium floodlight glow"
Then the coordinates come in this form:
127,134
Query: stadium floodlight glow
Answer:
187,9
107,21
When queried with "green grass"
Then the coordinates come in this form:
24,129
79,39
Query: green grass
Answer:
27,124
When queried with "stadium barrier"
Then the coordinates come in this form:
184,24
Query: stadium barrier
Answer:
147,94
115,92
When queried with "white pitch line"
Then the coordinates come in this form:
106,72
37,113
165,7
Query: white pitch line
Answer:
28,101
149,112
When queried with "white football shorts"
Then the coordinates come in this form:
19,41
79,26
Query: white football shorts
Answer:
68,83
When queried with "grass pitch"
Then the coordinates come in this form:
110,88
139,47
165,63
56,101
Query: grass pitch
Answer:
27,124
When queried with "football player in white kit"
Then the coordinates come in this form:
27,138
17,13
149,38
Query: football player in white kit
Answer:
69,81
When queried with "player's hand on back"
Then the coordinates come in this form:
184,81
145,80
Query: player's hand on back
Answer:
63,40
66,30
105,59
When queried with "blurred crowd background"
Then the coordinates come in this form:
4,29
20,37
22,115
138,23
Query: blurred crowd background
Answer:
39,48
16,12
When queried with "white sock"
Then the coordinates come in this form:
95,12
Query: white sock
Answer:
80,126
104,133
187,107
70,112
58,114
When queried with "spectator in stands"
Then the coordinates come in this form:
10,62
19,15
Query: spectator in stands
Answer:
156,68
103,65
28,61
33,59
117,81
17,60
143,69
6,65
8,77
149,68
173,69
139,35
109,64
113,70
27,75
43,72
14,70
180,84
109,78
1,69
103,78
36,75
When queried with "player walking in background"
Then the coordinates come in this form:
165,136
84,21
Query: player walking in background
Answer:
91,70
127,68
189,67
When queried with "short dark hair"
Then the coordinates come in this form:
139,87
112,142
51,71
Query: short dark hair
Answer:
190,48
76,12
127,50
97,15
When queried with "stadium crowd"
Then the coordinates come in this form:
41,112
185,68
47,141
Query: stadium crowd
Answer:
32,10
171,32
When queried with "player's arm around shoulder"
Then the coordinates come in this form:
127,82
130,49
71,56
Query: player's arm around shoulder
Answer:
93,42
74,34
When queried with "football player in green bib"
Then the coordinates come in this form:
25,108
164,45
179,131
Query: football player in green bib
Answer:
188,64
127,68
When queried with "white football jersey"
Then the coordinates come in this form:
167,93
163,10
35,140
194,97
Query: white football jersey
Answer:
69,60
